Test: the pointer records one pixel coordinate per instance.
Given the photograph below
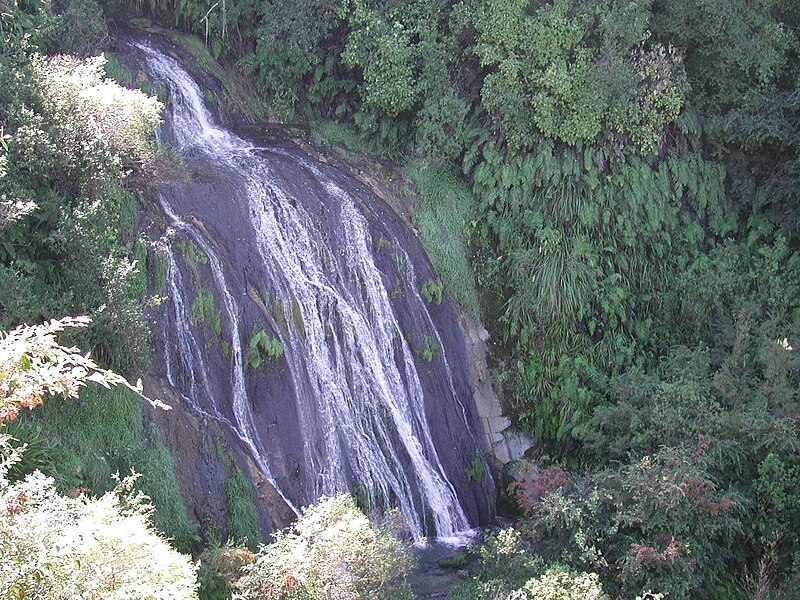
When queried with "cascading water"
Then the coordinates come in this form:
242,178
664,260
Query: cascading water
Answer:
364,394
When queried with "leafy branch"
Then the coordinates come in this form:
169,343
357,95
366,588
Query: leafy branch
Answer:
33,364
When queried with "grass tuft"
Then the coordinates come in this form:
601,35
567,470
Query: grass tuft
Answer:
204,310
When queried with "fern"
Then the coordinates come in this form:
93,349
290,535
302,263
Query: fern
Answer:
262,347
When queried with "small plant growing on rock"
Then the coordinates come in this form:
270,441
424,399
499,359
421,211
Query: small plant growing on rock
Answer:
262,347
297,319
381,243
477,470
191,252
204,310
430,350
432,291
458,561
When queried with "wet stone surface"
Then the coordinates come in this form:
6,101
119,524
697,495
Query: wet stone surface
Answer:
430,580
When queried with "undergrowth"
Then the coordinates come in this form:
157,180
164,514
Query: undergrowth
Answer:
442,218
236,97
243,527
83,443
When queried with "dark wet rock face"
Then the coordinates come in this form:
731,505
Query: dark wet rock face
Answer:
295,321
441,568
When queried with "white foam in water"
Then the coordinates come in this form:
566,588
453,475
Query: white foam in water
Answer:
462,539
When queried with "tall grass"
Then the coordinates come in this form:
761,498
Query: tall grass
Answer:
83,443
442,216
335,133
243,526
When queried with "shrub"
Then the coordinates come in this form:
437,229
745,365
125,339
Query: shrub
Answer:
80,30
440,126
82,443
99,123
510,570
432,291
219,568
536,482
505,555
386,54
54,546
559,583
662,520
33,364
680,525
333,551
737,431
290,48
575,527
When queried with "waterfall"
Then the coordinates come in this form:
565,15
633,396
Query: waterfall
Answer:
353,409
192,360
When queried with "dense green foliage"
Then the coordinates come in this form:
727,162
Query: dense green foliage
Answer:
634,233
510,569
69,138
54,545
691,490
83,443
632,226
599,181
73,145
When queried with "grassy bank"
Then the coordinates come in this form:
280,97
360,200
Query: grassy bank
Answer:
83,443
